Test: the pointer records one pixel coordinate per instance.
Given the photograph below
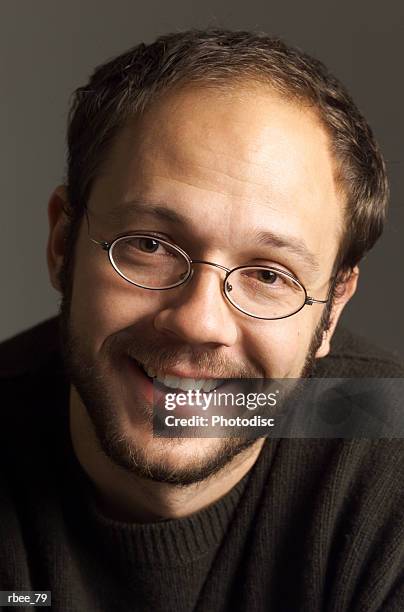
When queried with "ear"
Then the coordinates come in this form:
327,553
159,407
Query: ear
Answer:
344,293
58,221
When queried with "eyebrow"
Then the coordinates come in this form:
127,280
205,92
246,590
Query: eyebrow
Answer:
291,244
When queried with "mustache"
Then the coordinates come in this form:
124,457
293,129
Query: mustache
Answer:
153,354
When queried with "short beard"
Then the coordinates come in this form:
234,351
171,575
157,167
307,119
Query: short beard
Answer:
119,448
104,416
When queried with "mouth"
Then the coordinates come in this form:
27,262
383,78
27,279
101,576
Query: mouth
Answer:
179,383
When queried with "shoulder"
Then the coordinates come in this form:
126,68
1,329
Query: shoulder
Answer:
352,356
34,390
30,349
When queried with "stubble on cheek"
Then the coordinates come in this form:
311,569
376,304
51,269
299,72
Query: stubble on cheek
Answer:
100,382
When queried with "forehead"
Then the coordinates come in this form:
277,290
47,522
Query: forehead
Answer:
229,162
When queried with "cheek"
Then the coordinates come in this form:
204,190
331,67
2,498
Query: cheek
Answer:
103,303
280,347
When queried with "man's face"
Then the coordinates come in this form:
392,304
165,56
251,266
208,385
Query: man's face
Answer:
231,167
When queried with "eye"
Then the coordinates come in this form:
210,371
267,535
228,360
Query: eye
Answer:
267,276
142,246
268,279
148,245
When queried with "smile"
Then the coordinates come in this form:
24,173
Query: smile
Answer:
181,383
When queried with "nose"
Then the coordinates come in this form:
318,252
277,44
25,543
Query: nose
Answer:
198,313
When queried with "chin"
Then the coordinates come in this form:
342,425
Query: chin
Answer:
177,461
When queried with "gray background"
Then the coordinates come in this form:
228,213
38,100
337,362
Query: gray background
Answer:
48,48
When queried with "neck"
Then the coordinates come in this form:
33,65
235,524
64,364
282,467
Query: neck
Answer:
124,496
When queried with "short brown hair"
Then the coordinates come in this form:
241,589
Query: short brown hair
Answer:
127,84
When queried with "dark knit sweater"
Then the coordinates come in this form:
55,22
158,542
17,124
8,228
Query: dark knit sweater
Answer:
316,525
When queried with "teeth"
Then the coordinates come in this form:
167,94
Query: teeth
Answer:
185,384
151,372
209,385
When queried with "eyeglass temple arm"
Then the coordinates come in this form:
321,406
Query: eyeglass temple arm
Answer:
310,301
102,243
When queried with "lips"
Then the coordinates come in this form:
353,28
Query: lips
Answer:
180,382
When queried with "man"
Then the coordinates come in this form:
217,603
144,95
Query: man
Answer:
202,158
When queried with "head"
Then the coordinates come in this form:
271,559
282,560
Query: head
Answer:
208,140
